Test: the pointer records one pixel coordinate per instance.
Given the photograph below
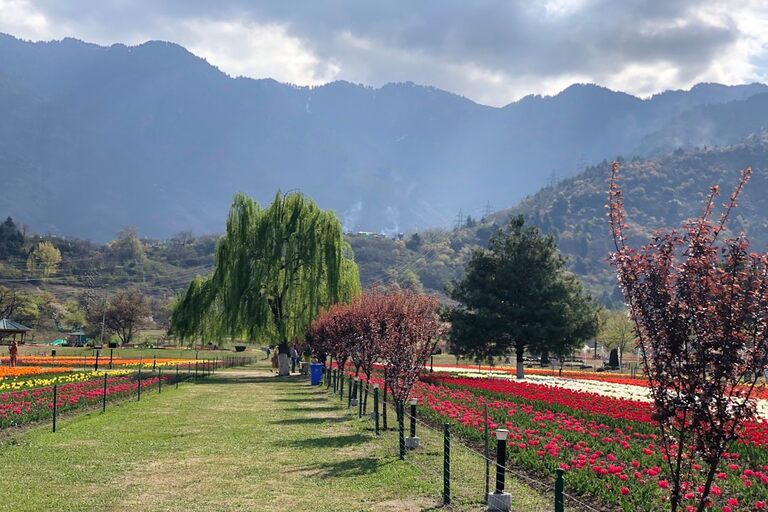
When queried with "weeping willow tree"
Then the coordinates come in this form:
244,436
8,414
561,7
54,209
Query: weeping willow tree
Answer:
274,269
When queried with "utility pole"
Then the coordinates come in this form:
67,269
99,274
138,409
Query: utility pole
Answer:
487,211
103,317
460,219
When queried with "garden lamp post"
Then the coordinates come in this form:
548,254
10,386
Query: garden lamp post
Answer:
412,442
498,500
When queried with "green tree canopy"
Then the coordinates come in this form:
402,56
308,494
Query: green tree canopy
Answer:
518,294
44,260
274,269
617,331
11,240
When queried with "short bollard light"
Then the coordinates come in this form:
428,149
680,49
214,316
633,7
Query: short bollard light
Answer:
499,501
412,442
353,400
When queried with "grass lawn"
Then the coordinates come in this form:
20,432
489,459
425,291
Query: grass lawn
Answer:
241,440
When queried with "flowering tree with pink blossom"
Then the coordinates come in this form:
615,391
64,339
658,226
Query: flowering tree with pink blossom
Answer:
699,302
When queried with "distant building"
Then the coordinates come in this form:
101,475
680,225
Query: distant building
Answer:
77,339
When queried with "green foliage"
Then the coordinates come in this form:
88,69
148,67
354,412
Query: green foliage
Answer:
617,331
44,260
127,248
11,240
518,294
274,269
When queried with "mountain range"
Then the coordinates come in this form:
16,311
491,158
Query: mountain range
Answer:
94,138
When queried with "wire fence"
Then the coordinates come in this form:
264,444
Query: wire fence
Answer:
48,403
463,475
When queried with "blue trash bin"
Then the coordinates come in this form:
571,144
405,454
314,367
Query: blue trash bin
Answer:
315,374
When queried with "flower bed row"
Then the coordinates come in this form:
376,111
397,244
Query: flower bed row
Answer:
22,371
612,378
608,447
22,407
85,361
30,382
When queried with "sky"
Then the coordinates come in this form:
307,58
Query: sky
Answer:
491,51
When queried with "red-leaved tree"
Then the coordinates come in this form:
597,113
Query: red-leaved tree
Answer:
411,333
699,302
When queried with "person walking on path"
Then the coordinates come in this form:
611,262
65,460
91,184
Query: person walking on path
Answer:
274,361
307,355
294,358
13,351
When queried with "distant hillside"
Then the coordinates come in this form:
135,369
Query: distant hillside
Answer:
660,192
96,138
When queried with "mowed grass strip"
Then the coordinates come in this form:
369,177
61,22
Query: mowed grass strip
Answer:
240,440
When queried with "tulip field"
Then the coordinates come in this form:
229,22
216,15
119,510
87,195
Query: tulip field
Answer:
26,392
607,445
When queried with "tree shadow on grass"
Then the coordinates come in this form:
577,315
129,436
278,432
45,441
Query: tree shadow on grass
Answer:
311,399
242,379
327,442
346,468
321,408
310,421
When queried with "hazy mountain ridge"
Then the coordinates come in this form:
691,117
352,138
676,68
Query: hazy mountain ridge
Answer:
93,138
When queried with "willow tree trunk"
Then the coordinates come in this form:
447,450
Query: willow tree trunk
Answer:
283,361
520,351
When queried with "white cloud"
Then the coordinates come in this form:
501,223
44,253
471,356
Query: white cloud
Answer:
21,19
256,50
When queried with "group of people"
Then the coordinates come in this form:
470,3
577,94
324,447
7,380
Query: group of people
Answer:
297,357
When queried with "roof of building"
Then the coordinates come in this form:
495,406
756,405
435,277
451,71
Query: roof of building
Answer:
10,325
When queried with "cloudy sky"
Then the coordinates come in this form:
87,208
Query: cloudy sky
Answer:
492,51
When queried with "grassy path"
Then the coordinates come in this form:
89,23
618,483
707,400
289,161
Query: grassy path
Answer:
242,440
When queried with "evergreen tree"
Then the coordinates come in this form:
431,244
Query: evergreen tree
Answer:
518,294
11,240
275,268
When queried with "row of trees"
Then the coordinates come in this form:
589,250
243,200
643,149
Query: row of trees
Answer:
122,313
396,327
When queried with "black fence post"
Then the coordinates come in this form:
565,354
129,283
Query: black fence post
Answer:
110,358
96,365
376,407
159,380
139,388
360,399
446,464
177,375
104,395
401,427
414,401
487,457
55,404
349,393
559,487
154,363
431,364
384,404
